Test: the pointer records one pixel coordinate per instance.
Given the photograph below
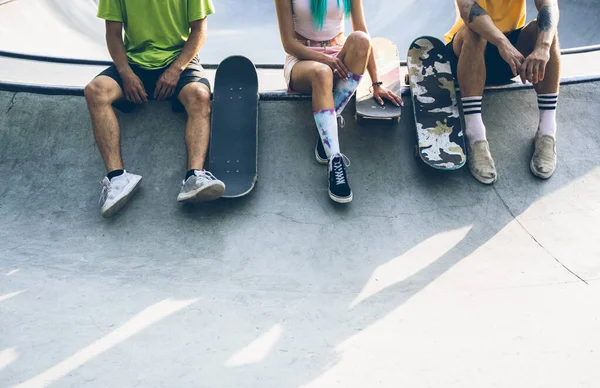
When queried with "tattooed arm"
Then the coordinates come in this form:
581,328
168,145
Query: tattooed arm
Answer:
547,22
534,67
477,19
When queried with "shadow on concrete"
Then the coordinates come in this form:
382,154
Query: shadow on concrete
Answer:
281,279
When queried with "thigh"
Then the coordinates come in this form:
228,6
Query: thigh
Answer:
192,83
193,73
525,42
498,72
303,75
109,83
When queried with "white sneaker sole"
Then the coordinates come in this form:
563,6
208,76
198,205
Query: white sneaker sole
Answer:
128,192
319,159
204,194
337,199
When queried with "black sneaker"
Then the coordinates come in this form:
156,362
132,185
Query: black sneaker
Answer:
339,189
320,153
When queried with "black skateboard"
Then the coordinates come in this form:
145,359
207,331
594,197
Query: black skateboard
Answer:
388,66
441,143
233,154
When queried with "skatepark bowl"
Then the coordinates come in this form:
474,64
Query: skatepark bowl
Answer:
427,279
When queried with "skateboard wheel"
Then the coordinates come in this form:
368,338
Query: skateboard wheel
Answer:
406,79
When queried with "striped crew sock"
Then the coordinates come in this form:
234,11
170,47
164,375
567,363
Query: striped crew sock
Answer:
474,127
547,104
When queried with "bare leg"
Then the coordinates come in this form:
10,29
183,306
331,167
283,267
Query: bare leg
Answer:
544,160
470,49
317,79
356,52
526,45
99,95
195,97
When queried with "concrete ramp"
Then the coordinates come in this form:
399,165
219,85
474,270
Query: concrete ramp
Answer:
426,279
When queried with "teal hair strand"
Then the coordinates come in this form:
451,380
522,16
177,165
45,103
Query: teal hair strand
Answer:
319,11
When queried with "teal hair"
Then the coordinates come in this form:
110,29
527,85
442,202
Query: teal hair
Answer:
319,11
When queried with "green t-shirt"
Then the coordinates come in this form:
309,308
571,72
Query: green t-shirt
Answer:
155,30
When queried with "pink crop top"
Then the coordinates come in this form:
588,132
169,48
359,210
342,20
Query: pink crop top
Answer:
304,24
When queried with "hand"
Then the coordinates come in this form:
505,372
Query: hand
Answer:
339,69
512,56
379,93
534,67
165,87
133,88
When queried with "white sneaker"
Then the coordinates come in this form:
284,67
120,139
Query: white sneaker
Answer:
116,192
201,187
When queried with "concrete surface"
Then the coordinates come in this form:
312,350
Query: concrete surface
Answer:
69,28
427,279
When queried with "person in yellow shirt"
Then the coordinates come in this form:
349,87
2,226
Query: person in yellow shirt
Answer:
155,59
490,43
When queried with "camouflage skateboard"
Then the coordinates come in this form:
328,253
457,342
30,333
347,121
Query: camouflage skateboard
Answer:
441,143
388,66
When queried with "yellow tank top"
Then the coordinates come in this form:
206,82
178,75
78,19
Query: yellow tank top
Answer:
508,15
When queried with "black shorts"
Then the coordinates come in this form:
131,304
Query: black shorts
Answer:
192,73
498,72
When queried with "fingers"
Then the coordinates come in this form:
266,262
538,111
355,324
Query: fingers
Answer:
398,100
134,97
514,67
523,72
378,99
159,91
535,73
142,95
344,70
530,69
542,72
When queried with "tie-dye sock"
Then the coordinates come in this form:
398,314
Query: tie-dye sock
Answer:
328,130
343,91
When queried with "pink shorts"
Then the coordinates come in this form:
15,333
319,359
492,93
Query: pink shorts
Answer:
291,61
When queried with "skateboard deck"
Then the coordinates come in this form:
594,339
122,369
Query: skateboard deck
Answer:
388,66
441,143
234,136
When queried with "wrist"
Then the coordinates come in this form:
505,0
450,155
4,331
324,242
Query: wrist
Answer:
124,70
377,84
177,68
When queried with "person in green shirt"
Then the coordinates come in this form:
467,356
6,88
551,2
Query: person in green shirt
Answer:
156,58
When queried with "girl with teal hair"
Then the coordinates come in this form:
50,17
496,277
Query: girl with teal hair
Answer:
323,62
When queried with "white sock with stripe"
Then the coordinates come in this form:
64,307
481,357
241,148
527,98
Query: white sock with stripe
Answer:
474,127
547,104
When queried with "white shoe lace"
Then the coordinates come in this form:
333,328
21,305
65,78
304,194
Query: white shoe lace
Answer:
104,193
340,179
208,175
341,120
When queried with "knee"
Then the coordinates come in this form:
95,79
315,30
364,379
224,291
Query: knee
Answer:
360,43
472,39
196,100
97,93
322,77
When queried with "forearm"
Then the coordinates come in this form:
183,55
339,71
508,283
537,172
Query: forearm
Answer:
372,67
117,52
547,24
190,50
477,19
